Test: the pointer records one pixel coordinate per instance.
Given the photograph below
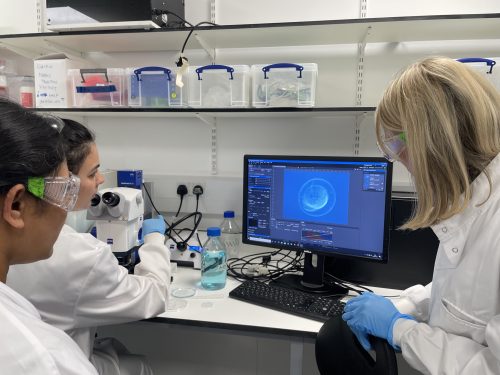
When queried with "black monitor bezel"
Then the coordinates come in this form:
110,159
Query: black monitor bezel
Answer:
387,218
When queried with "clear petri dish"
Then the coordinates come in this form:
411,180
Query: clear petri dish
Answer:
176,304
183,292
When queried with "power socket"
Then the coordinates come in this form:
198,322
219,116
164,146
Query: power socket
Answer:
192,185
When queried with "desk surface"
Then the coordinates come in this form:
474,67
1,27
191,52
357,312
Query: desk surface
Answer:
214,309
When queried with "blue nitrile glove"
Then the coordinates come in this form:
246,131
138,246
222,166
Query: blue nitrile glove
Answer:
362,337
373,314
154,225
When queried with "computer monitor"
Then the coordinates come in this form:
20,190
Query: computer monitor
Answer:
322,205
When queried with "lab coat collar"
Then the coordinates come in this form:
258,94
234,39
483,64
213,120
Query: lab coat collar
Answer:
480,191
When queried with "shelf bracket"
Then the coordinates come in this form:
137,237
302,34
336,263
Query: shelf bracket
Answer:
209,50
357,132
70,52
20,51
212,121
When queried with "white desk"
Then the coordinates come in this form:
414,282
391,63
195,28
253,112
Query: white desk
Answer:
215,310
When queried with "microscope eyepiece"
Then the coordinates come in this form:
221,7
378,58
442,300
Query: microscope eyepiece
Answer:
111,199
96,199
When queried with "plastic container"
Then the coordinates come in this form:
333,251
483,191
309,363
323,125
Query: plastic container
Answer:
231,235
284,85
219,86
22,90
153,86
213,261
488,68
97,87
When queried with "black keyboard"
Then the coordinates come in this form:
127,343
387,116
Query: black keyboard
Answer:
288,300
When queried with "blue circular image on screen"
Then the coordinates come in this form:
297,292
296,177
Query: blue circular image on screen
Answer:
317,197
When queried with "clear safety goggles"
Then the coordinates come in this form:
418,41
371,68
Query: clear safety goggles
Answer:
392,146
58,191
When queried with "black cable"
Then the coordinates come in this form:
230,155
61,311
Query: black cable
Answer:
193,29
159,12
152,204
180,205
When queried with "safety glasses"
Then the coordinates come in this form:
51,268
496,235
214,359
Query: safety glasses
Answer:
392,146
61,192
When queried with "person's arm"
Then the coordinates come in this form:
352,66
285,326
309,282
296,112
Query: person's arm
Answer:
431,350
415,301
110,295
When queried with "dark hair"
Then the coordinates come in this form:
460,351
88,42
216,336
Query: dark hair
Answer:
30,145
77,139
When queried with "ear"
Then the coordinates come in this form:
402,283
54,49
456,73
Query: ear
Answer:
14,205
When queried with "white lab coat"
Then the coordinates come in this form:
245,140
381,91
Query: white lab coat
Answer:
82,286
458,328
28,346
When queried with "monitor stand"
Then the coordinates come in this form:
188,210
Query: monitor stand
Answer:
312,279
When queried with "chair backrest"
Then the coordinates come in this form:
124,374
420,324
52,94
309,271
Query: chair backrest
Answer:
339,352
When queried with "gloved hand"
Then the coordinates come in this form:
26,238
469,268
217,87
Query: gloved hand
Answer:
154,225
362,337
372,314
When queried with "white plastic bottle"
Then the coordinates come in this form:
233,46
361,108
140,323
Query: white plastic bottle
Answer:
231,235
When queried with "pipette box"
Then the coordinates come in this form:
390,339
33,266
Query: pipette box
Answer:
98,87
131,178
219,86
153,87
284,85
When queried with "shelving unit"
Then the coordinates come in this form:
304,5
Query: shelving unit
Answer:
346,31
211,112
359,31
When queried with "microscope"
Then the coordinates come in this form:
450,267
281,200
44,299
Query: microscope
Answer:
119,213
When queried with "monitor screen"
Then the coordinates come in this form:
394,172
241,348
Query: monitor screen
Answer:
333,206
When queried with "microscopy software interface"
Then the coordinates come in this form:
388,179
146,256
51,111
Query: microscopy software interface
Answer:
330,206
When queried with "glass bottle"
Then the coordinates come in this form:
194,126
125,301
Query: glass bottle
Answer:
231,235
213,261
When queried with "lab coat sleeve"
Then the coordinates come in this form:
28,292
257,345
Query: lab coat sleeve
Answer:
415,301
110,295
431,350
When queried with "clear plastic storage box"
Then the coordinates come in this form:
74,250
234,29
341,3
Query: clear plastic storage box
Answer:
284,85
98,87
219,86
486,67
153,86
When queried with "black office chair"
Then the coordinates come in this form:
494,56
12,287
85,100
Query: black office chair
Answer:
338,352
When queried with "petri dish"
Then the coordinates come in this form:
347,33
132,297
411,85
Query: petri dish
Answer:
176,304
183,292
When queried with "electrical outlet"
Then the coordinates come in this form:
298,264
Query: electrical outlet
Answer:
192,185
185,184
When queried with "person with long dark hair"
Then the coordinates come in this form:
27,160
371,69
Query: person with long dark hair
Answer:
82,286
36,192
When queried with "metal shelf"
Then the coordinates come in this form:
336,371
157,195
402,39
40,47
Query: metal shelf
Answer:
388,29
210,112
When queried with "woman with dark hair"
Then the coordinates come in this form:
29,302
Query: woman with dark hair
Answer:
36,192
82,286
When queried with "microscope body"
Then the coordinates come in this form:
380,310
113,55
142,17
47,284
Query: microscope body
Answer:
119,214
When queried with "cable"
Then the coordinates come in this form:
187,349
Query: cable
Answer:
159,12
250,267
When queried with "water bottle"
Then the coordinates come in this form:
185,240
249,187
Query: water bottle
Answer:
231,235
213,261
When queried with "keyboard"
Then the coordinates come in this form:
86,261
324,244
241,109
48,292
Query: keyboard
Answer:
288,300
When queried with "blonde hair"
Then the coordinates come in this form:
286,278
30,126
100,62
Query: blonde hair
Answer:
451,118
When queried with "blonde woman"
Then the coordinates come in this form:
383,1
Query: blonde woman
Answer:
442,121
